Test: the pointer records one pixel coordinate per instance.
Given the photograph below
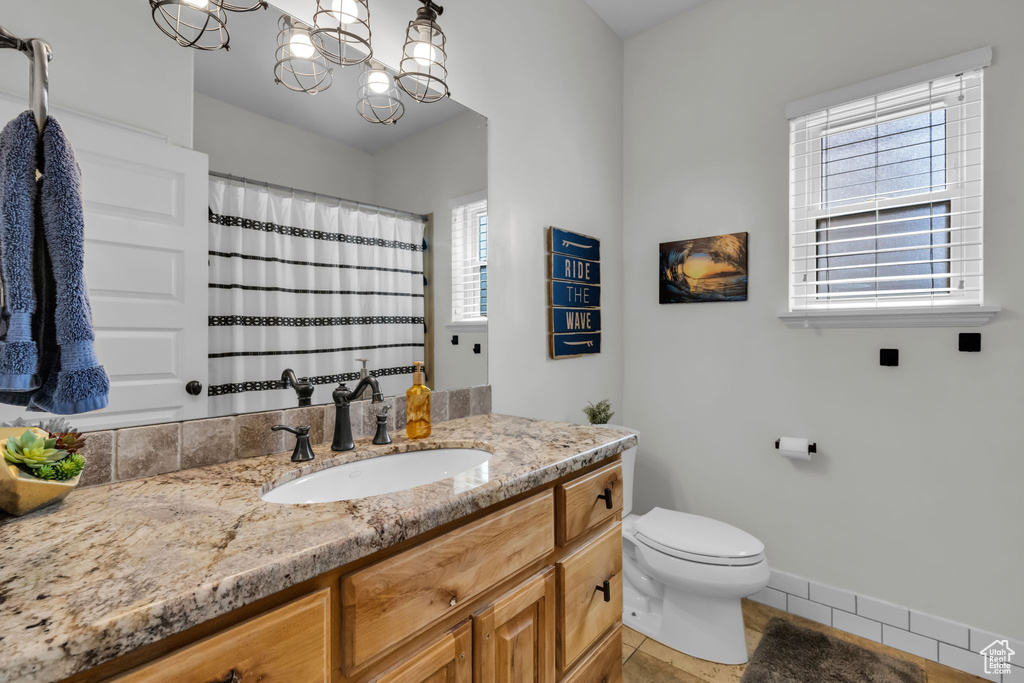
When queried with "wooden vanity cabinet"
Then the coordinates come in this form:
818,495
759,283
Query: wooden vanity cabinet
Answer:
529,592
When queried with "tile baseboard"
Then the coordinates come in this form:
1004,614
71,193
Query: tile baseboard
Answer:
941,640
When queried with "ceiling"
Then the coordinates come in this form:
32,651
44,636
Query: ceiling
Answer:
632,17
244,76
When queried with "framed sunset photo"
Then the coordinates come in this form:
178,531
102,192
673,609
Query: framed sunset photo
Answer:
703,270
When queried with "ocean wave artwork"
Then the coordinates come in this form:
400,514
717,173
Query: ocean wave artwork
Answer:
704,269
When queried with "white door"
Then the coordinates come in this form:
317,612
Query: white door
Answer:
146,222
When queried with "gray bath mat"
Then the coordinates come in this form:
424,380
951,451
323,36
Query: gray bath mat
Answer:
793,654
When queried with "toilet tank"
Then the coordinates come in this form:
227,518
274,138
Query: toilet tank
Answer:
628,466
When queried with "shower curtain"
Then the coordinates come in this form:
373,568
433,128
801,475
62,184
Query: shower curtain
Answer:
308,283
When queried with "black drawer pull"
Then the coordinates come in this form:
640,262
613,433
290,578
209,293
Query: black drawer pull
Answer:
607,498
232,677
605,588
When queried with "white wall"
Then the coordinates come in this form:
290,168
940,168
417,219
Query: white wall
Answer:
245,144
552,95
421,174
915,496
109,60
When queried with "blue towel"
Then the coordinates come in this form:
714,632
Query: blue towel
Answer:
79,383
19,355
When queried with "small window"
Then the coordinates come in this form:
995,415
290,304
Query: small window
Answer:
886,199
469,262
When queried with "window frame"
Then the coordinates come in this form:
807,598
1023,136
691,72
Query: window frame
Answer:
470,259
808,141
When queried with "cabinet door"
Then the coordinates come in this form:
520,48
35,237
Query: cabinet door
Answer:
603,664
449,659
590,585
288,644
514,639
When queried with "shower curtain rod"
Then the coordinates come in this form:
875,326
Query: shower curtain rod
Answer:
39,55
282,188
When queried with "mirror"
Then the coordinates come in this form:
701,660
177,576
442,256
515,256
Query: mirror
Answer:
307,253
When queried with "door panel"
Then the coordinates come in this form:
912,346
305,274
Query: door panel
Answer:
146,223
514,639
448,660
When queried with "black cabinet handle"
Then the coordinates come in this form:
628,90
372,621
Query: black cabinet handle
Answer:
232,677
605,588
607,497
194,388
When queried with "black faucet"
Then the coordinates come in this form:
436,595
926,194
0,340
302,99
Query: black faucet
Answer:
303,387
342,415
303,451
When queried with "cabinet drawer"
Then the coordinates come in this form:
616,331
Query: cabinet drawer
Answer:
288,644
394,599
603,664
589,502
586,612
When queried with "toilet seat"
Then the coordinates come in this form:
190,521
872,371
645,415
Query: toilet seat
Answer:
697,539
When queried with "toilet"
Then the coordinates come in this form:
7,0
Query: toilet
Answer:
684,576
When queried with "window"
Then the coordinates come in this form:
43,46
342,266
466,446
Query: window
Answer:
469,260
886,199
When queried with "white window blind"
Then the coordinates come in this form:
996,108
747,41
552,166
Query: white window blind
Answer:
886,199
469,261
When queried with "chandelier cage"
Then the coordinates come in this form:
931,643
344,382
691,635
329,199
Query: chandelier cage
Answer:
380,99
250,7
422,73
341,31
199,24
300,67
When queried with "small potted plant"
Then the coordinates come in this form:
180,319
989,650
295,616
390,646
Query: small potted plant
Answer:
599,414
40,467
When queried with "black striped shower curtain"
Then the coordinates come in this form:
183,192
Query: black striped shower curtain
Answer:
309,283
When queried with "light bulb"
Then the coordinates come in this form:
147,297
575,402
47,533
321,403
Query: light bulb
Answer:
378,81
301,46
423,52
345,11
198,4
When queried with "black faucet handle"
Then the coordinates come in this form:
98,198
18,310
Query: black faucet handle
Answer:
303,451
297,431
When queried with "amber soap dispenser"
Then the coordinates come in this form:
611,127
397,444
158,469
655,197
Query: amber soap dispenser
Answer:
417,406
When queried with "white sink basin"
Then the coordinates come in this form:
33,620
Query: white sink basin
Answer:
384,474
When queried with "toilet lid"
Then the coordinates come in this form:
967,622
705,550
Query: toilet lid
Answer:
696,538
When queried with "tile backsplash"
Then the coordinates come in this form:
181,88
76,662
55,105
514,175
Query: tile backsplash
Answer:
135,452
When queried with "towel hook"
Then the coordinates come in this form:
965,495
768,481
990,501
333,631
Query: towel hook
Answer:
39,54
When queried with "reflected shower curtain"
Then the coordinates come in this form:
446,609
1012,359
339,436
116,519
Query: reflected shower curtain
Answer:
309,283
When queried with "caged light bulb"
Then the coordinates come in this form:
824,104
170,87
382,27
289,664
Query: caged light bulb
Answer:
198,4
345,11
378,81
423,51
300,45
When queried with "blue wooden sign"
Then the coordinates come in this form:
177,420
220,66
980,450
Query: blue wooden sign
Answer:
571,294
574,244
575,320
574,269
575,290
569,345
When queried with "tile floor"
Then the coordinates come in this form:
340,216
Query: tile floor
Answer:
648,661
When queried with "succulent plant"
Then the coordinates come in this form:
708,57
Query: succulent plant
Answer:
72,442
68,468
19,422
32,451
57,425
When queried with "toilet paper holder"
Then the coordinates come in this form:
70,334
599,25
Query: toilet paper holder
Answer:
811,448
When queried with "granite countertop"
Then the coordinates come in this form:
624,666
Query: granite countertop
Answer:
116,567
